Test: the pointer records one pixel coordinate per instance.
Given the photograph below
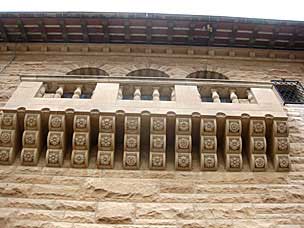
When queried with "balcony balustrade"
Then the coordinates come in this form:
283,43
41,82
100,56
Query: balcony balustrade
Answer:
126,122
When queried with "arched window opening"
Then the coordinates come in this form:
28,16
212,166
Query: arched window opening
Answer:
148,73
206,75
88,71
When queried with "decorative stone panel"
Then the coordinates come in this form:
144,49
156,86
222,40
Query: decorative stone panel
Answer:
8,138
157,157
106,142
31,139
233,144
208,144
183,143
131,154
81,141
280,145
257,145
56,140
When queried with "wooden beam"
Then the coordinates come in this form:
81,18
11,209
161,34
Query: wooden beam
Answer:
127,31
106,37
43,31
84,27
22,30
211,34
148,31
4,35
191,32
235,28
253,36
170,31
63,30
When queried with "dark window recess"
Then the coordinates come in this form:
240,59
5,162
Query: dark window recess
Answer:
291,92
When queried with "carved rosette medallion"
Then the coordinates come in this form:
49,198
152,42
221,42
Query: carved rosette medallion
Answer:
209,161
184,161
5,137
259,162
4,155
7,121
235,162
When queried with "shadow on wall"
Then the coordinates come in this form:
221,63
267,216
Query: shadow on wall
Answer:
206,75
88,71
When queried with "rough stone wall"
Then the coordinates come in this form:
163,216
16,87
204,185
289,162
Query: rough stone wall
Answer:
73,198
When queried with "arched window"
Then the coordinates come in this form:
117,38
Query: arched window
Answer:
148,73
206,75
88,71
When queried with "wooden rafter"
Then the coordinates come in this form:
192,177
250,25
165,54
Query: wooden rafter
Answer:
3,33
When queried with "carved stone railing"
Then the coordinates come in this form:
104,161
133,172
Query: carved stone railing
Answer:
240,123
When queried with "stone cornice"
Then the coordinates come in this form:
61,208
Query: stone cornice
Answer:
140,50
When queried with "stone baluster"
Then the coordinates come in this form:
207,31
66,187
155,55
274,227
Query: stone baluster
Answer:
257,145
233,97
41,91
157,157
173,95
215,96
59,92
233,144
31,139
56,140
106,142
280,145
77,93
183,144
156,94
120,94
137,94
208,144
250,96
81,141
9,141
131,152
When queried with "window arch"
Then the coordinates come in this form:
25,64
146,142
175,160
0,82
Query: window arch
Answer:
205,74
148,73
88,71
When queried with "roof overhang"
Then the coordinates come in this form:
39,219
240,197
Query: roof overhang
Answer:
144,28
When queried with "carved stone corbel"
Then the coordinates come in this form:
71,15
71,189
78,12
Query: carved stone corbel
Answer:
280,145
131,154
233,144
183,143
106,142
56,140
8,138
257,145
158,140
31,139
81,141
208,144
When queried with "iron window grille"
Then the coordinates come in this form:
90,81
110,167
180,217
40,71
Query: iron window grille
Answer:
291,92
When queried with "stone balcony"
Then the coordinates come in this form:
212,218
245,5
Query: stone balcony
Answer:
138,123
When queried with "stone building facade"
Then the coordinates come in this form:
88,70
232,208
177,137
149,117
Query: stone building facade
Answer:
149,134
